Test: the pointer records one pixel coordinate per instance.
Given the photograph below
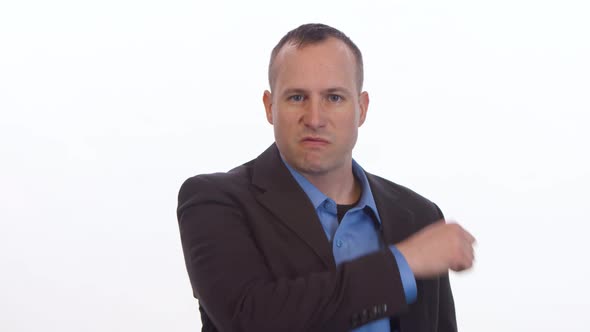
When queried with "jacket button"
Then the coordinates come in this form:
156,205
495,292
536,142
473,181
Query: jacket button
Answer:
364,316
355,320
375,312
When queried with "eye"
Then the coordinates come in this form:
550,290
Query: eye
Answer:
335,98
296,98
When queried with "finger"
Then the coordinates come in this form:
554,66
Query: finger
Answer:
458,267
470,255
470,238
464,233
462,265
467,250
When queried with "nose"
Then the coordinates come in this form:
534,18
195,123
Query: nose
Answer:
314,116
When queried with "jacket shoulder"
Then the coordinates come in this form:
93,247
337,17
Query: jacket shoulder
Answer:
418,204
215,186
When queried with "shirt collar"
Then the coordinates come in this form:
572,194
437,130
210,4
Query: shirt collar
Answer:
317,197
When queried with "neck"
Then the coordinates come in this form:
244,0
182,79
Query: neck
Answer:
340,184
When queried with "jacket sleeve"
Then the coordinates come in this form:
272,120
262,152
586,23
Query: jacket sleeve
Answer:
233,283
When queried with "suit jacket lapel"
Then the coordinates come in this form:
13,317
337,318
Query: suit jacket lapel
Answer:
283,196
397,221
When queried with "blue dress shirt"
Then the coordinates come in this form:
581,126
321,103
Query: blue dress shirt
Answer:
357,234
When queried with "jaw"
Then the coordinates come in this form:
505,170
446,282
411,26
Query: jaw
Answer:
319,162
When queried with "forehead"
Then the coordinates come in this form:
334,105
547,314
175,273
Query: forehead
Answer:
319,65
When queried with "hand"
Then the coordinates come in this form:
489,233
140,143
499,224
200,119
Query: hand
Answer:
437,248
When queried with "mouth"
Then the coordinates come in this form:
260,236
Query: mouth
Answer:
314,141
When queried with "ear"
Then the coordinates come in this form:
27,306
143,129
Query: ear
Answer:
267,100
364,107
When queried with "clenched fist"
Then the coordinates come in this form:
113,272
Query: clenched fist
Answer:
437,248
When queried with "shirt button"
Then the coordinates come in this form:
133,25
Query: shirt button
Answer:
339,243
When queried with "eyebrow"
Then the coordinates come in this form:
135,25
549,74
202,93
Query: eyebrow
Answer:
338,89
294,91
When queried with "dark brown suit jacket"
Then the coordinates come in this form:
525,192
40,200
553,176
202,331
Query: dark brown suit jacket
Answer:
258,258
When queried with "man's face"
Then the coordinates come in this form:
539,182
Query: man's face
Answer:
315,106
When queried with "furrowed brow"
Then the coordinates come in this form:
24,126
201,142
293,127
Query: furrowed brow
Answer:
338,90
294,91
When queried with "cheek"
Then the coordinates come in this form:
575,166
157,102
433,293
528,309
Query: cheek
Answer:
283,125
352,136
349,130
350,121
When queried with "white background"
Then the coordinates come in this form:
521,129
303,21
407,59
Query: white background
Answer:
107,106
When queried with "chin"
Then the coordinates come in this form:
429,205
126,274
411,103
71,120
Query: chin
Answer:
311,162
316,167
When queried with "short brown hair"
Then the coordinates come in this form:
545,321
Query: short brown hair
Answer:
313,33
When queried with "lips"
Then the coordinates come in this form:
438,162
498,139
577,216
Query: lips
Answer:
314,141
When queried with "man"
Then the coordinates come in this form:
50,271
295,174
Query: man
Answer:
301,238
